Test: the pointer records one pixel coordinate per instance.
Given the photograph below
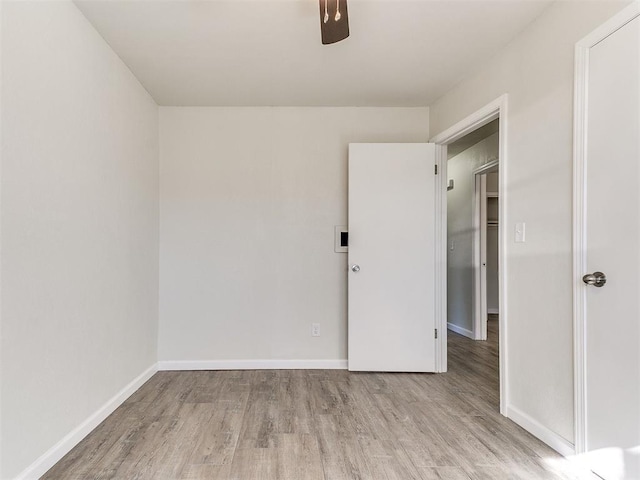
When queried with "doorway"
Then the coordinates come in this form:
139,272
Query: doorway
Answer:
486,234
457,274
472,231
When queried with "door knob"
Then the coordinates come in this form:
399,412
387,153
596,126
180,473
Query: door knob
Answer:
355,268
597,279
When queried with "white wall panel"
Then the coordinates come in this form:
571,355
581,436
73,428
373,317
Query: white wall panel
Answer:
79,221
249,201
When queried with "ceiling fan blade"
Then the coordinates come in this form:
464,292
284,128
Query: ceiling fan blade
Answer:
334,21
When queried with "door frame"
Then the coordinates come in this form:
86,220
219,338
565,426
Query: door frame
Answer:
479,254
493,110
580,134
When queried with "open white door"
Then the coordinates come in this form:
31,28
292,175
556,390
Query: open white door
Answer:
392,257
612,245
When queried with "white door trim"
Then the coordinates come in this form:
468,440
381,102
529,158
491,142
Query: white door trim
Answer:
487,167
480,309
581,90
495,109
479,255
441,258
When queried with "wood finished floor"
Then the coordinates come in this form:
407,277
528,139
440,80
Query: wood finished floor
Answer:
317,425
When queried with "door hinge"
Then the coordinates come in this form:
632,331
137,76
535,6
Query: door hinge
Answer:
436,333
436,169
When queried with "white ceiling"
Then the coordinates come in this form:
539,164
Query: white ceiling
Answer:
268,52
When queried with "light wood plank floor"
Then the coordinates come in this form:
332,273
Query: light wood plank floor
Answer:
317,425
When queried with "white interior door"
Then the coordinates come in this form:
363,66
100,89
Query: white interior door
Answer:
392,257
613,247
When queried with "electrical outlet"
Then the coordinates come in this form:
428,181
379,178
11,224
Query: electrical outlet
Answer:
315,329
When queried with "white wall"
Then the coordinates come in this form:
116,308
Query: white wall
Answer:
536,70
460,268
1,149
79,223
249,200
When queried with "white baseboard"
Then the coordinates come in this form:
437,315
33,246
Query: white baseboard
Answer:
252,365
493,311
460,330
535,428
60,449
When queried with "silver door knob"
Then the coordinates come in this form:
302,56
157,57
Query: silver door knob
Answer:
597,279
355,268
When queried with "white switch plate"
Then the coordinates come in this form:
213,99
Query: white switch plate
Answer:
520,232
315,329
